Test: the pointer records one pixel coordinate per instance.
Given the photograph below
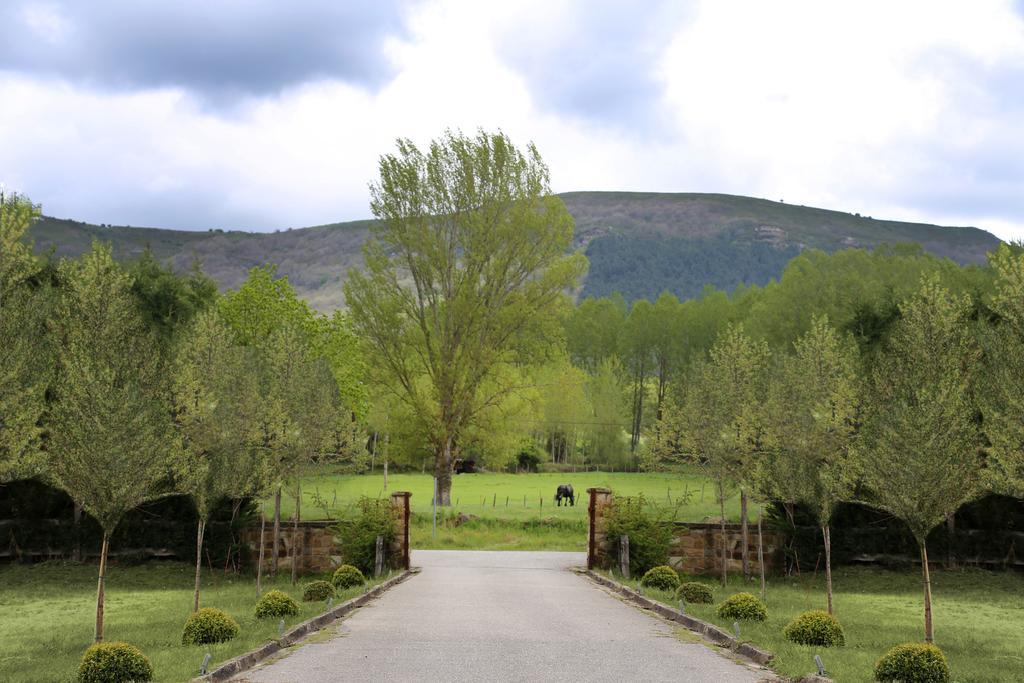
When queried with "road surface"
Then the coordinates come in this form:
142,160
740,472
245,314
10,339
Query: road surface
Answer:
501,616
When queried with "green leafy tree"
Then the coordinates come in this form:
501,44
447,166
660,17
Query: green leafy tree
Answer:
716,423
670,344
919,446
169,301
593,331
216,402
466,272
337,342
1002,401
266,314
24,346
111,445
813,411
17,263
606,443
637,350
563,407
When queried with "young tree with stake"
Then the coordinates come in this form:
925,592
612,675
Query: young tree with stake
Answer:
814,409
1002,402
111,445
25,358
919,448
215,399
717,423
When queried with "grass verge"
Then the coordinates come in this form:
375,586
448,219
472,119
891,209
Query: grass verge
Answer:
485,533
979,620
49,610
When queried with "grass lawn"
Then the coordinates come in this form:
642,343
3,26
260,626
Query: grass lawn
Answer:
49,611
979,620
488,533
510,496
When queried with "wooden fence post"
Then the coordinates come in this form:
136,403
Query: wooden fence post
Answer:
378,563
624,556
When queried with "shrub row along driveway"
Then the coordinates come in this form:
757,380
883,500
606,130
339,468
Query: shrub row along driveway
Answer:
520,616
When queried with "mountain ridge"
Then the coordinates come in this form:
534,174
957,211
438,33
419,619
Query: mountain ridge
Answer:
639,243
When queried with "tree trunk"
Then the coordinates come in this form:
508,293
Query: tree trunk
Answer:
100,586
826,533
929,634
744,535
760,553
200,530
725,543
76,553
662,386
788,507
277,531
295,532
385,474
259,562
443,472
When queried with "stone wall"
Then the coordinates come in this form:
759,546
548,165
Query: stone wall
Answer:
316,550
696,548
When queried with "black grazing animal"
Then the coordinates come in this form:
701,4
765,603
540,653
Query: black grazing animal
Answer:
565,491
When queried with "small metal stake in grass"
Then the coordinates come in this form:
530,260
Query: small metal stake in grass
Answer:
280,628
682,606
820,664
205,664
330,604
736,628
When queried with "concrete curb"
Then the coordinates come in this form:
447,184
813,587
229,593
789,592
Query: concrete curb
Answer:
709,631
246,661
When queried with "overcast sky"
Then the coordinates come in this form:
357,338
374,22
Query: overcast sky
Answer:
263,115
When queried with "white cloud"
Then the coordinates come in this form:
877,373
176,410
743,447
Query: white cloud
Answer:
903,110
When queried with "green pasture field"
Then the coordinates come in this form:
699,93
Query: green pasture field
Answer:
49,612
509,496
979,620
506,511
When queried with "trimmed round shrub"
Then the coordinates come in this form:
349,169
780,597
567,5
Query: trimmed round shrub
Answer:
913,663
209,625
815,627
696,592
661,578
347,576
276,604
317,591
114,662
744,607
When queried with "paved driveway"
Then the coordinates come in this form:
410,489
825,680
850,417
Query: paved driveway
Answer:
501,616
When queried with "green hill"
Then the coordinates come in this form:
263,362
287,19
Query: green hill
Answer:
638,243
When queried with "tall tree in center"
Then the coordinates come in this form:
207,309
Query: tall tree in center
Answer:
466,270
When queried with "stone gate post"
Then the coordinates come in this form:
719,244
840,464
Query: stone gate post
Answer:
399,551
600,499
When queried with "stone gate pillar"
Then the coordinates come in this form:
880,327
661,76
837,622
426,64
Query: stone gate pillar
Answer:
399,551
600,499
